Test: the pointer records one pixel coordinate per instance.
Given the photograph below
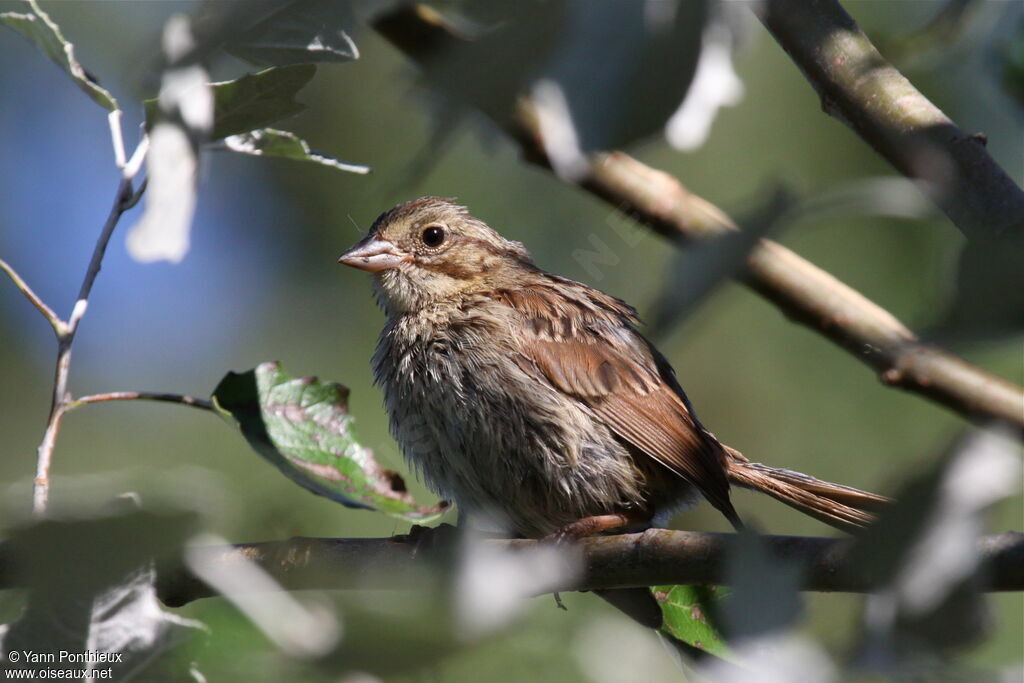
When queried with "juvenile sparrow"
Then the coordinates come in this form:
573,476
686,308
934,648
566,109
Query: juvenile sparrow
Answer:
531,399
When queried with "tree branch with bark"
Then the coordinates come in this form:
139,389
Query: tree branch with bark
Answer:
802,291
653,557
860,88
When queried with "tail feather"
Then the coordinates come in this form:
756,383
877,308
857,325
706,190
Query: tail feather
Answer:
842,507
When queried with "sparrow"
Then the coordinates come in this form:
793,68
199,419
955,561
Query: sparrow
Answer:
533,402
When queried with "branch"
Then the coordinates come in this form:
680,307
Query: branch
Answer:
55,322
804,292
124,199
858,87
190,401
654,557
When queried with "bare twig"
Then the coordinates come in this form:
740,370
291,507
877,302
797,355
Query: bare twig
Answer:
858,87
55,322
804,292
654,557
61,400
125,194
191,401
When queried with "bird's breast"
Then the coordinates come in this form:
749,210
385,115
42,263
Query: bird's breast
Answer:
493,438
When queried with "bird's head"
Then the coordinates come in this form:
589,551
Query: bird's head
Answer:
429,250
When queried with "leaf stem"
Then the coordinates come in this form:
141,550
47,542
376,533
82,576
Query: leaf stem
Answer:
185,400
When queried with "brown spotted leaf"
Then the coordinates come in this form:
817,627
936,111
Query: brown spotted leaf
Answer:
686,613
303,427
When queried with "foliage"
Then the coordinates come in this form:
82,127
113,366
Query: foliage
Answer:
611,76
304,428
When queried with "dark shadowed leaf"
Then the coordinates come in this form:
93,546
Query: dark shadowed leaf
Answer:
759,615
252,101
988,297
922,557
625,67
269,142
304,31
303,427
1012,58
257,100
889,196
186,108
688,611
91,588
599,66
44,32
764,600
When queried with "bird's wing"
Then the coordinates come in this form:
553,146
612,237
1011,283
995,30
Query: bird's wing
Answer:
585,346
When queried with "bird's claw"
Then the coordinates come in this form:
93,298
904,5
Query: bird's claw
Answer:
429,540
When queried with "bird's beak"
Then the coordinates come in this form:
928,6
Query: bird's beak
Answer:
373,255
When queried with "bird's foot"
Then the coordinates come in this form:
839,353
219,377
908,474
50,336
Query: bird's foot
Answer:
591,526
429,540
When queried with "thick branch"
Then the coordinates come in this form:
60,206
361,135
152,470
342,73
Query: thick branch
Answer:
858,87
800,289
655,557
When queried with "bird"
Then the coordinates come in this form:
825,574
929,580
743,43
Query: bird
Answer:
534,402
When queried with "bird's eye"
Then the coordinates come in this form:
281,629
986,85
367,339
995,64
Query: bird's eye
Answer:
433,236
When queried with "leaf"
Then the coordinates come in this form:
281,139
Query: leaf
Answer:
270,142
303,427
252,101
686,611
764,599
987,301
257,100
1012,58
889,196
303,32
921,556
714,85
595,70
186,117
91,588
163,231
39,28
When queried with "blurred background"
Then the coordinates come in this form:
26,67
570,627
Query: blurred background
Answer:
261,283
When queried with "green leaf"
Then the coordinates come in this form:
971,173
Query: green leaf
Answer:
303,32
257,100
686,611
269,142
252,101
44,32
108,602
303,427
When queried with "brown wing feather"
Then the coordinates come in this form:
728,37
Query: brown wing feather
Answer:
585,346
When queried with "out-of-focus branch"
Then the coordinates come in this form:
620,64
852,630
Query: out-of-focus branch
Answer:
804,292
654,557
858,87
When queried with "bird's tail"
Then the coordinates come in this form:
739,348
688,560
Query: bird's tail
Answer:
842,507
